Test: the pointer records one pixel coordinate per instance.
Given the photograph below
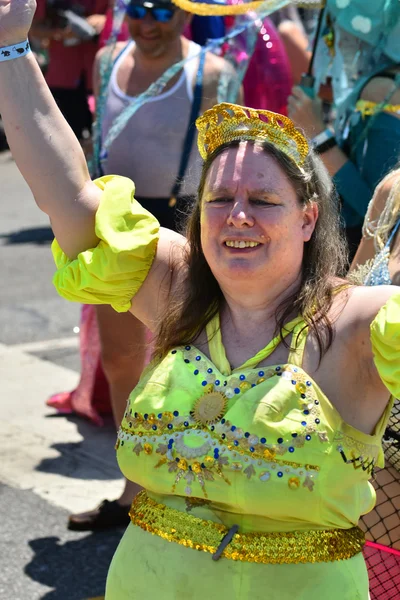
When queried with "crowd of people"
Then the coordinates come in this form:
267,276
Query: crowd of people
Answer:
236,250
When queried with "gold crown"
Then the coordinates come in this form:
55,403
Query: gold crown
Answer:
228,122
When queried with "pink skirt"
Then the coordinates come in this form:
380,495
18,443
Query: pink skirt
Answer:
383,570
91,399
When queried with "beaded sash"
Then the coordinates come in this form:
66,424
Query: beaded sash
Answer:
268,548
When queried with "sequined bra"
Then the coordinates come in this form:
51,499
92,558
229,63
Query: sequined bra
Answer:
242,441
379,272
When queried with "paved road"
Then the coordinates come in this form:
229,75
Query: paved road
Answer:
49,465
40,560
30,309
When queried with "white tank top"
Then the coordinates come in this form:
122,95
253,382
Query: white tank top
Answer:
149,148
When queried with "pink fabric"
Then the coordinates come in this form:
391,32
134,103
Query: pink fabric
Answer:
268,80
92,396
92,103
67,64
383,570
188,32
91,399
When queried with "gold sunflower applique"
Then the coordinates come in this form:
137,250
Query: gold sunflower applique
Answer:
209,408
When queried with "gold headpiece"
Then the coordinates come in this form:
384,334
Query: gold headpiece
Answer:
228,122
224,8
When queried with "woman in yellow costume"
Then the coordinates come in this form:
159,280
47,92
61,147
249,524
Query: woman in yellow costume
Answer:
256,429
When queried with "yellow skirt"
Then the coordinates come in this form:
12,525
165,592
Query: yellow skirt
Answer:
146,567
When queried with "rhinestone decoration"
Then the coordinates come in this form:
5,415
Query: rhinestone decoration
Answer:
198,447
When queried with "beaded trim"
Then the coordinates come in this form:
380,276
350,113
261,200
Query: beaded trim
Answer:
217,459
181,441
267,548
360,455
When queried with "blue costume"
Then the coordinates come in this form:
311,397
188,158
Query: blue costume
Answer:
359,40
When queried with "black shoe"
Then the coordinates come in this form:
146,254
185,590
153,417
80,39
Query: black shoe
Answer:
106,516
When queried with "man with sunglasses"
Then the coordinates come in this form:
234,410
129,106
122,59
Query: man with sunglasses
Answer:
156,150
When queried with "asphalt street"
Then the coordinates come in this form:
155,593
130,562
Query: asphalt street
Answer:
40,559
50,465
30,309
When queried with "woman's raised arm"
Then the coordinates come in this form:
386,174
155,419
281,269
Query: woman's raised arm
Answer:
43,145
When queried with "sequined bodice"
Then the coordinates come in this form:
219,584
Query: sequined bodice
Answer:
243,444
379,272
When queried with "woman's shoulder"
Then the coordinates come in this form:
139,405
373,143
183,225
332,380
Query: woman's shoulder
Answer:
367,339
364,312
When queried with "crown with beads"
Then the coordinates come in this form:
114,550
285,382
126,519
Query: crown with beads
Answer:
229,122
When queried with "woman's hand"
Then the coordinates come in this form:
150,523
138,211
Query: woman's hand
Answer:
15,20
305,112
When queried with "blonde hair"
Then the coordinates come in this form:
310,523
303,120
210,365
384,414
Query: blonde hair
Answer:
380,228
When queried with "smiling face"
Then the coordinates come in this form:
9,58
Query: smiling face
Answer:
253,227
154,38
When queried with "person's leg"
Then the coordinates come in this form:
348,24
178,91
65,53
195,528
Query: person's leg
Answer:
123,354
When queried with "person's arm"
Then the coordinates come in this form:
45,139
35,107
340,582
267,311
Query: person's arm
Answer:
41,30
213,69
296,45
47,152
365,252
123,251
97,22
366,249
349,182
306,114
376,338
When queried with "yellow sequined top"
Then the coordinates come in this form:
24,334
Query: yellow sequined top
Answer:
269,452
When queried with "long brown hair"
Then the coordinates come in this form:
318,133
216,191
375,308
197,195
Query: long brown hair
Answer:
324,259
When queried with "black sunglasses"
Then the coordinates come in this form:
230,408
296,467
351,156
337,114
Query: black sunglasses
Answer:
158,13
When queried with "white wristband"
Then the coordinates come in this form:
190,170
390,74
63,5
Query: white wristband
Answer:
15,51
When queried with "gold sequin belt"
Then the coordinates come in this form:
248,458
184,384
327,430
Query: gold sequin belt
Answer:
220,541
